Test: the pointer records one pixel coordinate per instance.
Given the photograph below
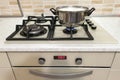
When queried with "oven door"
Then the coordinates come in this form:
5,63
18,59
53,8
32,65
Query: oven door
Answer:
60,73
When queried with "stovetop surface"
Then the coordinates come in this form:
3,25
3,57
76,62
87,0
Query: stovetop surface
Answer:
54,30
101,36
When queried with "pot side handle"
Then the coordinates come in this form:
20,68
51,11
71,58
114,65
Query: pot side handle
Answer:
90,11
53,11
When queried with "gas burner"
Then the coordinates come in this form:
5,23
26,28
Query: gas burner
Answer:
41,19
33,30
70,30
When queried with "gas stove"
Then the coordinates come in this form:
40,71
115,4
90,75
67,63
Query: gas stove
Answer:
49,28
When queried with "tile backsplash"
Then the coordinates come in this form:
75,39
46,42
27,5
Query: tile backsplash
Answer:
36,7
9,8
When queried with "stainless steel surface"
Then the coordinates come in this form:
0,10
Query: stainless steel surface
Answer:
61,66
71,19
61,75
22,73
88,59
71,16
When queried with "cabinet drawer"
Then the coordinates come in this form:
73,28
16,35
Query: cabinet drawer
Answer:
88,59
25,74
6,74
4,62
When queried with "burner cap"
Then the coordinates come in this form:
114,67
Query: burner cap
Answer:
33,30
70,30
41,20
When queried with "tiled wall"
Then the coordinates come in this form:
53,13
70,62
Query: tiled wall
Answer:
9,8
36,7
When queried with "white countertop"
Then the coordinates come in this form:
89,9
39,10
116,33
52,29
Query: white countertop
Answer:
110,24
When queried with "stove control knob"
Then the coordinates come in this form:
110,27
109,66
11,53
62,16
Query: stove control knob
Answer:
93,27
89,21
78,61
90,24
41,60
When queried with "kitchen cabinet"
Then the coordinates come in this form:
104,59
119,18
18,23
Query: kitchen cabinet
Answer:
115,69
4,62
6,72
116,62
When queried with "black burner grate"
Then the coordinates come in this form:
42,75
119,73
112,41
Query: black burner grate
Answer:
50,30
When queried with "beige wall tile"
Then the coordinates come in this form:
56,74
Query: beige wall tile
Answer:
38,10
7,8
73,2
108,1
84,1
116,11
107,5
49,6
13,3
117,5
97,1
4,7
4,2
36,7
61,2
6,12
27,6
107,11
117,1
25,2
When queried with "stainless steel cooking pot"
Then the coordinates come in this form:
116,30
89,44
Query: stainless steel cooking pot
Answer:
71,16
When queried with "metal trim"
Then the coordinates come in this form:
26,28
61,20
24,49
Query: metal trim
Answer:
20,8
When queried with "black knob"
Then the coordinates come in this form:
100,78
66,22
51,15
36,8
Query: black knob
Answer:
91,24
89,21
93,27
78,61
41,60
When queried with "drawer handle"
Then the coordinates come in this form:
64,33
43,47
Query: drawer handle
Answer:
61,76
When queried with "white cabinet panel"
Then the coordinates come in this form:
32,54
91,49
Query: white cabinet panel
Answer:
114,75
4,62
115,69
6,74
116,62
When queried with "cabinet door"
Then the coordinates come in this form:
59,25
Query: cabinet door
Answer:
116,62
4,62
115,70
6,74
114,75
